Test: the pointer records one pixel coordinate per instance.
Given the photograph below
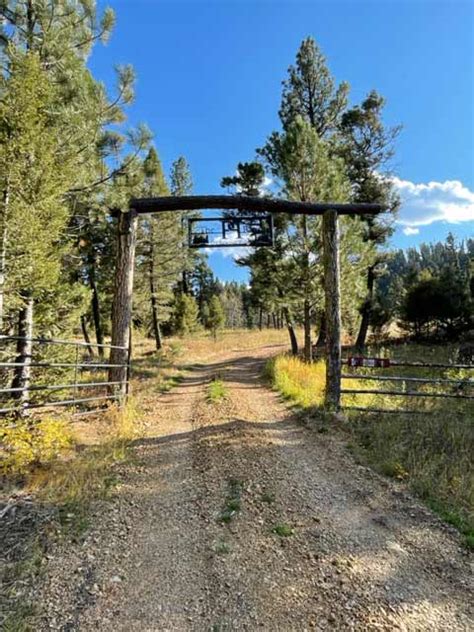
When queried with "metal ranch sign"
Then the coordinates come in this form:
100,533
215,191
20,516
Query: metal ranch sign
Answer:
376,363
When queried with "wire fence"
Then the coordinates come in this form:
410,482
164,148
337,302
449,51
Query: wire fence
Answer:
43,373
405,386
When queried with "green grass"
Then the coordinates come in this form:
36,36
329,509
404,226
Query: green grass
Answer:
283,530
216,391
170,382
17,611
432,452
232,502
222,548
454,518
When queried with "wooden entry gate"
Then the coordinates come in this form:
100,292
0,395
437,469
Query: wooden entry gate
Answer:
126,240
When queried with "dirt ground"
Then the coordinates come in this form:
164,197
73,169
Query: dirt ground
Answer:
361,553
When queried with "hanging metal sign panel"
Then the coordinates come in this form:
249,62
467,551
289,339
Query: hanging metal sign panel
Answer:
381,363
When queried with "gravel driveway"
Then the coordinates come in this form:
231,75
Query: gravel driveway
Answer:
355,551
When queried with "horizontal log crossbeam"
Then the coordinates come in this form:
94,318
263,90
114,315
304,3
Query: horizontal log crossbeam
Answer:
244,203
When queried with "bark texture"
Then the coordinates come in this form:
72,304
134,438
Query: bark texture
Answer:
24,347
85,333
95,304
122,303
366,310
3,252
333,310
291,333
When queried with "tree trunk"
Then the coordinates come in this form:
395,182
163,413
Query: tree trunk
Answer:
95,304
291,332
22,375
260,319
153,299
333,310
122,303
321,341
308,346
268,321
366,310
3,253
185,282
274,320
85,333
154,315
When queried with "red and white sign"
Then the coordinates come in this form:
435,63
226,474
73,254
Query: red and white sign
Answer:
355,361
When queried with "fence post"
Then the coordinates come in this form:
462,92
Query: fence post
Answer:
76,367
122,303
332,292
24,347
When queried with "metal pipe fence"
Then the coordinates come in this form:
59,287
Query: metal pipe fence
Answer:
29,380
460,388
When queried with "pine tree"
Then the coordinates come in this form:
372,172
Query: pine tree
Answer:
160,260
248,181
186,314
310,96
61,34
309,91
309,173
366,146
35,170
216,316
181,183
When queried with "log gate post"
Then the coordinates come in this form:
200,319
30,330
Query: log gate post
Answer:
122,303
332,310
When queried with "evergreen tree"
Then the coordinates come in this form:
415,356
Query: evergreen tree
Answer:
311,96
309,91
216,316
366,145
61,34
181,183
186,314
35,170
311,173
248,181
202,283
161,251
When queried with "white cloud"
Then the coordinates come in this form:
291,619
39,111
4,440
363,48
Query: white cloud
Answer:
408,230
423,204
235,247
236,252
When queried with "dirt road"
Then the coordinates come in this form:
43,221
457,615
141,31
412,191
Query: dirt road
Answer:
362,554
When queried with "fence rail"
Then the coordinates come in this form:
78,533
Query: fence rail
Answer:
383,364
22,367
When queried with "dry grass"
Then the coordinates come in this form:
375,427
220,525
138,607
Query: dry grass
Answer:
201,347
86,473
298,381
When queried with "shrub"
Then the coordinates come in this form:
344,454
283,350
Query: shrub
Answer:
25,444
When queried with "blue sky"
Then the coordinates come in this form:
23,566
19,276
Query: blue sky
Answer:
209,84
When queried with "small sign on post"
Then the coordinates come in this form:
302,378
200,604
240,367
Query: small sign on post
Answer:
372,363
